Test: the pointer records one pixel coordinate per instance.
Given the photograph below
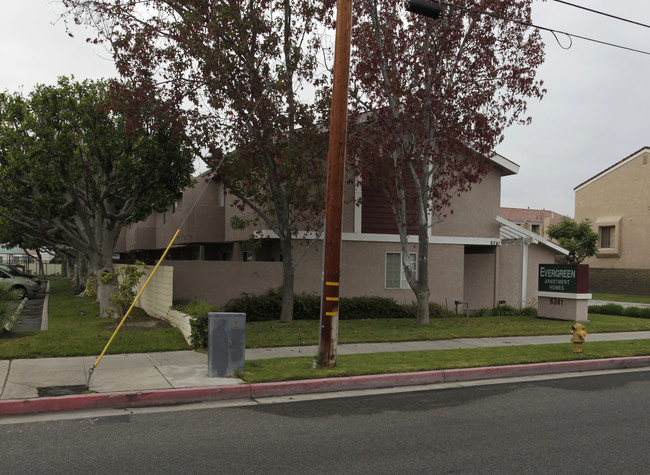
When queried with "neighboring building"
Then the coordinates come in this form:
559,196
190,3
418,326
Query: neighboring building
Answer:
617,201
467,261
12,256
535,220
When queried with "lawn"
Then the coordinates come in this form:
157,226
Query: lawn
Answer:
305,332
72,334
288,369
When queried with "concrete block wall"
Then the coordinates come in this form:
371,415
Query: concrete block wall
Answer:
157,298
620,281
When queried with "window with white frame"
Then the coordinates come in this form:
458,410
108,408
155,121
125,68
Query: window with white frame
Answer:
395,276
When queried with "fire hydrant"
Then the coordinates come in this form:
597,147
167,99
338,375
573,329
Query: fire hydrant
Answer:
579,335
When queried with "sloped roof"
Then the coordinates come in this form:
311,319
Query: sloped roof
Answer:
510,231
613,167
13,250
527,215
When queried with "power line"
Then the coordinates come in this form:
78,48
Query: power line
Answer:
603,13
544,28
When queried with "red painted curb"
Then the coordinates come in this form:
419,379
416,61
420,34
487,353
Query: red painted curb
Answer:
371,381
285,388
122,399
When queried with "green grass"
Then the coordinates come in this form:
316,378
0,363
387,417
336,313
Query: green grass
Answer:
71,334
290,369
305,332
622,297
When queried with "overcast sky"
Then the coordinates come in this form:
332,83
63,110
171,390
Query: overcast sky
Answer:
592,116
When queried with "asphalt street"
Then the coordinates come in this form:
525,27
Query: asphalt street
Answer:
583,424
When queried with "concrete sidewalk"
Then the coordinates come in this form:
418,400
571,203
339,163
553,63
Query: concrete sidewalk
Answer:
146,372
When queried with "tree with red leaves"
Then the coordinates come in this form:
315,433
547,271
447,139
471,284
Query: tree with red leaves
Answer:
432,99
238,67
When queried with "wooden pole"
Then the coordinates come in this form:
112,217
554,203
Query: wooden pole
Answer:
328,341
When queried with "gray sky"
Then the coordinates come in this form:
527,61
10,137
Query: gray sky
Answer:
592,116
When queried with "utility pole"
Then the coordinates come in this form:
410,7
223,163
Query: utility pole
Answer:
329,318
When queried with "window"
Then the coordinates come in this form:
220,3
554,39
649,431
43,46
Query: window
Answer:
609,236
606,237
395,277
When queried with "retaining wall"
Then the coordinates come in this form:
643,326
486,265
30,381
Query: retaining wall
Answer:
619,281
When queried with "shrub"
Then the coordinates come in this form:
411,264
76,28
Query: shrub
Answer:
480,312
608,309
258,308
438,311
528,311
5,315
305,307
637,312
503,310
353,308
199,331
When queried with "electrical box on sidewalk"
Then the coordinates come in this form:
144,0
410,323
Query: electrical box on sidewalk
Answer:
226,343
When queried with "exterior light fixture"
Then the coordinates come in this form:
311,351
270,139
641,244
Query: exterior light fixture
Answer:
424,7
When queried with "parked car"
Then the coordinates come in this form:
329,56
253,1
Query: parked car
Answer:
20,286
13,270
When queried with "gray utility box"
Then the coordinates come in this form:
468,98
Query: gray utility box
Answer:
226,343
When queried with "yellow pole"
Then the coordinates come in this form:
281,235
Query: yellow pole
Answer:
137,297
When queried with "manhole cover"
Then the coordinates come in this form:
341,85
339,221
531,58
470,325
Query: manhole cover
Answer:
51,391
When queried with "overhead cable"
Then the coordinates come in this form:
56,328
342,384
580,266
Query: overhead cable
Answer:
544,28
603,13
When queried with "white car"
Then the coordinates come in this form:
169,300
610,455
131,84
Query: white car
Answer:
19,286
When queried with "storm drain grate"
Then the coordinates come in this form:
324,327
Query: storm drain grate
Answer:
53,391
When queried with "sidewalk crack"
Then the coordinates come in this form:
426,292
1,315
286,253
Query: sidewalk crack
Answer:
163,376
4,383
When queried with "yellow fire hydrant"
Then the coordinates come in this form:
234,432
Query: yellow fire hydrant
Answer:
579,335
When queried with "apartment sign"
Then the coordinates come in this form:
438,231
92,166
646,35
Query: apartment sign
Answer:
558,278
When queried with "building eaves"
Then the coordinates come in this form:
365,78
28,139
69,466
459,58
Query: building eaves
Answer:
507,166
612,168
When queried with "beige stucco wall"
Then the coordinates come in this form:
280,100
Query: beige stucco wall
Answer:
474,212
362,274
621,197
509,278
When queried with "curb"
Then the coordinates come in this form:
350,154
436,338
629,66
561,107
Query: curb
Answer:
164,397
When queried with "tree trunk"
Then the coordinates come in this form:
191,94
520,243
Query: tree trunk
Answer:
104,292
422,291
64,266
422,297
286,315
102,264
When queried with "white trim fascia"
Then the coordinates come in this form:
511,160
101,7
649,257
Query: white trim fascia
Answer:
613,167
533,238
456,240
563,295
502,161
390,238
